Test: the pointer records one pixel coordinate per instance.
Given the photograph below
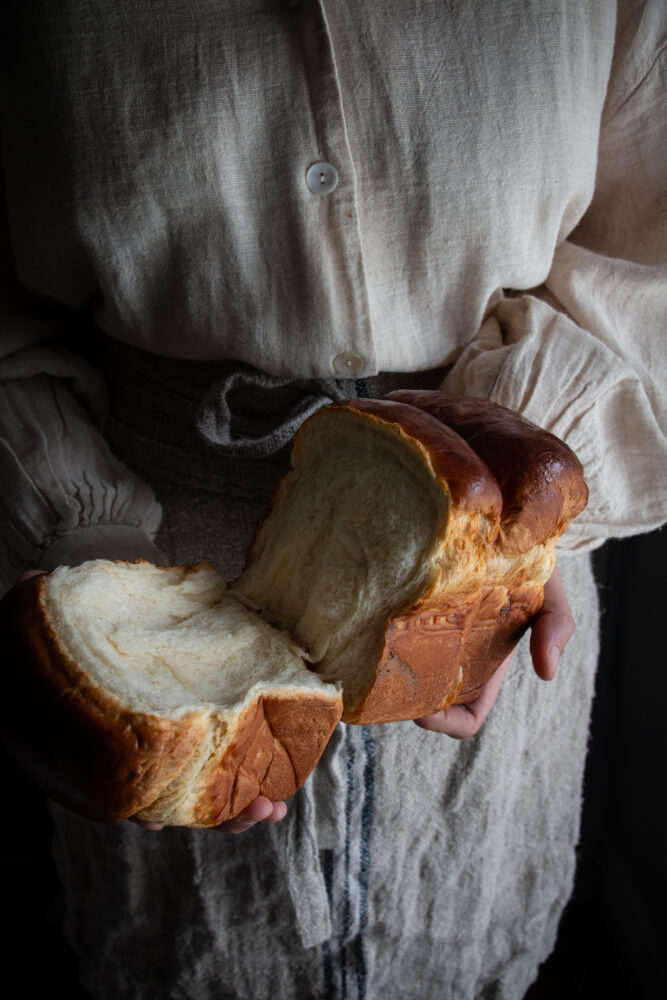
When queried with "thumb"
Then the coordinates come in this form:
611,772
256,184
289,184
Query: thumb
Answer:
552,629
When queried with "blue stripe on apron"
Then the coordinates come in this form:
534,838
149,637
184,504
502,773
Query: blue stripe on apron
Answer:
348,971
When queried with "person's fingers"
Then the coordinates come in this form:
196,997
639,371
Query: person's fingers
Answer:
279,813
463,721
28,573
552,629
145,824
261,810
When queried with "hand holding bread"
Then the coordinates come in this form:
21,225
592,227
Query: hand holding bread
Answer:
551,630
402,558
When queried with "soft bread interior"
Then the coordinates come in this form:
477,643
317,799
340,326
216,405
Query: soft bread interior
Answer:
351,538
168,640
535,564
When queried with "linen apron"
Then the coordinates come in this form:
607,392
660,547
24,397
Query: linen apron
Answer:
410,866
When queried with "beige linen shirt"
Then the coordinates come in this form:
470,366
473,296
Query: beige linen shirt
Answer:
499,207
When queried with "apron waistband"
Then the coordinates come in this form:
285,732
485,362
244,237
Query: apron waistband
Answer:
224,407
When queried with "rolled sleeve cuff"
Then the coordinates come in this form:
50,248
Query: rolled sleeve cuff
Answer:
540,364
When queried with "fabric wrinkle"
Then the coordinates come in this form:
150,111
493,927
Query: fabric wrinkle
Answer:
305,878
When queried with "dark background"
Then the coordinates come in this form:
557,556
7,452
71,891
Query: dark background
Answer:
609,936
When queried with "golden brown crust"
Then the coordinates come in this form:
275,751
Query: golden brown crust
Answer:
540,478
503,617
105,762
419,670
276,744
543,489
470,483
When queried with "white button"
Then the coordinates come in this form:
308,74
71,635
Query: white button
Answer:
321,178
348,364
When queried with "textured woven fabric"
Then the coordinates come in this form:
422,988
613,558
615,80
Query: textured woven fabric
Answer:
501,172
410,866
501,177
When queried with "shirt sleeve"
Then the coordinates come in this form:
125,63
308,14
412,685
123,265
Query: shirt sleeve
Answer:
65,497
584,355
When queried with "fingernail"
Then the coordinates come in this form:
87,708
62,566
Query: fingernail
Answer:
554,656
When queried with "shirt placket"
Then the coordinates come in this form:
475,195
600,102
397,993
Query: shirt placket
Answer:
331,195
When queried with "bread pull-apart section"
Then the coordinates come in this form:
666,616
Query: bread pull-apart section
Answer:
374,553
403,556
150,691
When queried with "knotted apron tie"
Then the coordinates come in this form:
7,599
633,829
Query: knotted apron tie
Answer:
248,414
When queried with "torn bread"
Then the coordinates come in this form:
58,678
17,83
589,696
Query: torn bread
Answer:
150,691
395,555
402,558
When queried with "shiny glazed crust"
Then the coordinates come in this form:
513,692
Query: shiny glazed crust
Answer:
271,751
419,669
543,489
93,755
540,478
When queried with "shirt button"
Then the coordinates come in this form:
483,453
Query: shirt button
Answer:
321,177
347,364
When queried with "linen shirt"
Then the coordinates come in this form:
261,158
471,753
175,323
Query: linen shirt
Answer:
499,208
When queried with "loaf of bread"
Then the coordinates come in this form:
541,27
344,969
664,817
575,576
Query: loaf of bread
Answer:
403,556
408,548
